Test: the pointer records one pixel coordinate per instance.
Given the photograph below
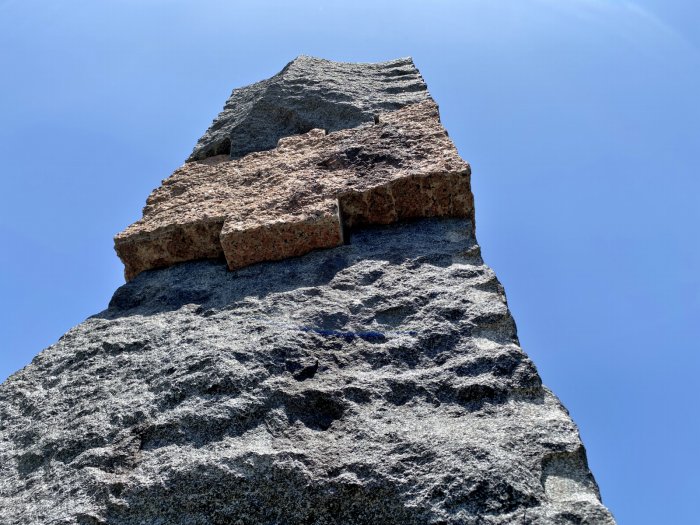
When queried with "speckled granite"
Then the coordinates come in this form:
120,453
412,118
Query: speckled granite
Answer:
309,93
301,195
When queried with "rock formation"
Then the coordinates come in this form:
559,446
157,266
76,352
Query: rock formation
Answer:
377,380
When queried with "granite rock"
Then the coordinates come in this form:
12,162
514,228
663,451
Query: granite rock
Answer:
309,93
375,379
301,195
377,382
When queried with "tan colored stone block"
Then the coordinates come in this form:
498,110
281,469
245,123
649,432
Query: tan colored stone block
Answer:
285,202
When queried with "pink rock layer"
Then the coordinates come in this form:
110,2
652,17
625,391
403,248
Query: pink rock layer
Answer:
302,195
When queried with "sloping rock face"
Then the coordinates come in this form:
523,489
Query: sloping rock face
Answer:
378,380
309,93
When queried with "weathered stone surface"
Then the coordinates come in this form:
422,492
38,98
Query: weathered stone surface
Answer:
309,93
301,195
377,382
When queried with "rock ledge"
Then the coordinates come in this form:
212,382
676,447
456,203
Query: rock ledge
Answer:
301,195
309,93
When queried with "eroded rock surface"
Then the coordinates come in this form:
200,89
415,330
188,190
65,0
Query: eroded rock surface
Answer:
301,195
376,382
309,93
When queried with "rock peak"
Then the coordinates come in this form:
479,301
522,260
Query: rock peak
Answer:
309,93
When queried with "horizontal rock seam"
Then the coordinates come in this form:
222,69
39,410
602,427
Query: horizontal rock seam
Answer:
303,195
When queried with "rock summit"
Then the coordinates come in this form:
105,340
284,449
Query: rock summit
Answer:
308,335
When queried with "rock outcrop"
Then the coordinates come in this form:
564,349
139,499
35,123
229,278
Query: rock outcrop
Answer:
377,381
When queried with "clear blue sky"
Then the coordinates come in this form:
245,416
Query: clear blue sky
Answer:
581,119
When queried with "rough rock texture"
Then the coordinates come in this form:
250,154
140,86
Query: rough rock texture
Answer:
377,382
301,195
309,93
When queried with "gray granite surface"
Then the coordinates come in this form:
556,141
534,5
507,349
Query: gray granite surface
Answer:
377,382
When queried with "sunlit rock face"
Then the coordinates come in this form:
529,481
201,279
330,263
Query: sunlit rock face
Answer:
375,377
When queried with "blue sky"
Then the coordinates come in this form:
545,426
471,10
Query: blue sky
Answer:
580,119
